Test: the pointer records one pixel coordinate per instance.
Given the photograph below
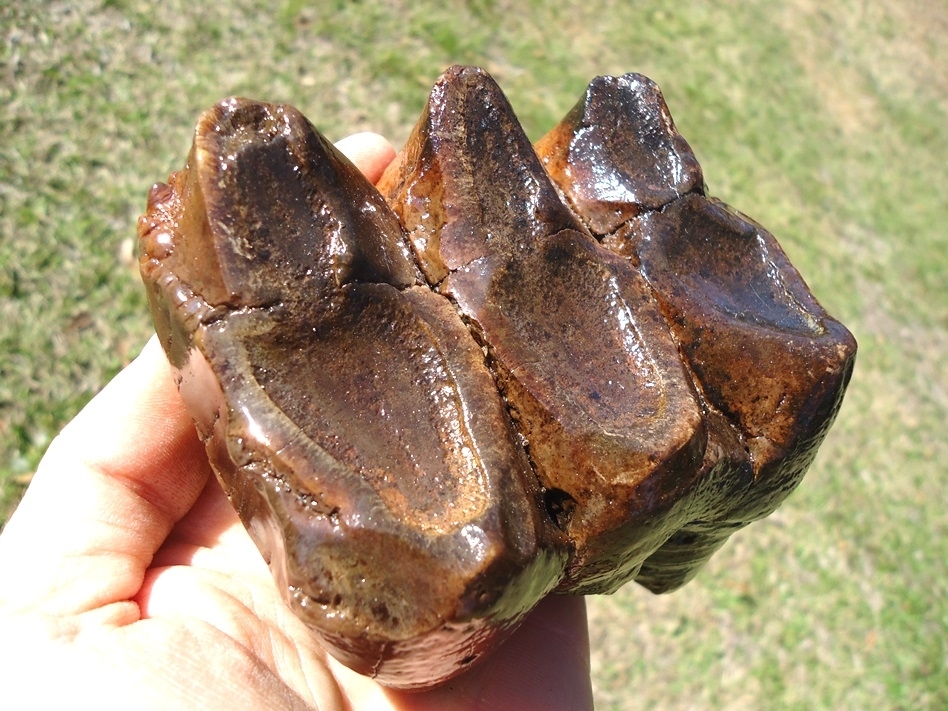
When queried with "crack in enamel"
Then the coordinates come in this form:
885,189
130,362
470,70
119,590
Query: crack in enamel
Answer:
524,369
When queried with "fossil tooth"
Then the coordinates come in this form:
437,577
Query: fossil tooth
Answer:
525,369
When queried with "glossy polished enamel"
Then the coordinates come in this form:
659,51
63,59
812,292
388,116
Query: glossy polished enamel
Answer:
507,371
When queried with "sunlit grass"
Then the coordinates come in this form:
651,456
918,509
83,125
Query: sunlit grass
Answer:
824,122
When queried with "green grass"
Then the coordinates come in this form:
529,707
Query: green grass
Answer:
827,123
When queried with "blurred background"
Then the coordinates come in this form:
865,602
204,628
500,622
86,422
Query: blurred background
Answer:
826,122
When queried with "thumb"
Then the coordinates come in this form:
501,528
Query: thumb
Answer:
105,496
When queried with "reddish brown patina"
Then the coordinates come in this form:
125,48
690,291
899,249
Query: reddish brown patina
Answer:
507,371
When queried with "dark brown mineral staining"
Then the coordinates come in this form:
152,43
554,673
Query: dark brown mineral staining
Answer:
523,370
575,339
769,363
345,407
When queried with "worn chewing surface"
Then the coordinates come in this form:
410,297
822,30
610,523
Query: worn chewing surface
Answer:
508,370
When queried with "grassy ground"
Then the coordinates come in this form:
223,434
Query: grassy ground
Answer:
826,122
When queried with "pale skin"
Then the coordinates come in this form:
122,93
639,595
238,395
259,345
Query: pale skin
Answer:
127,581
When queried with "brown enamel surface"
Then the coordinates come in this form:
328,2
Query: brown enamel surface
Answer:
770,364
620,153
582,355
346,409
523,369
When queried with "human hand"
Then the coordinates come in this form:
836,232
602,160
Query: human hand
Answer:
127,580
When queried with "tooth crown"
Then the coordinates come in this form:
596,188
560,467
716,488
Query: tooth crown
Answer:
523,369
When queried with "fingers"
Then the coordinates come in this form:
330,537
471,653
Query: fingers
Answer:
370,152
544,665
105,496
